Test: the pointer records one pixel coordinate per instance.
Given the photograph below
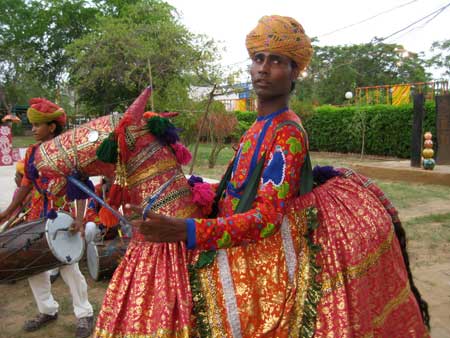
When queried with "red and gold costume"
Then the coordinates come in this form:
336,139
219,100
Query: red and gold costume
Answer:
328,265
149,294
41,111
249,288
41,200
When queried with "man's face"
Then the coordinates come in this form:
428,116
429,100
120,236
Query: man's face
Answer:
272,75
43,131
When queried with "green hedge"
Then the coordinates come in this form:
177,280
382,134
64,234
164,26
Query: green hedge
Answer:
338,129
388,128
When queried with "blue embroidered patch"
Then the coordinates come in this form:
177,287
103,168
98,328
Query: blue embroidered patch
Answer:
275,170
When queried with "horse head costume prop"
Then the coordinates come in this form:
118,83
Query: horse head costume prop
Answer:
142,152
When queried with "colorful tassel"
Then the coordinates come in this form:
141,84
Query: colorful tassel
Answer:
203,195
158,125
194,179
182,153
107,218
52,214
118,195
171,135
73,192
107,152
150,114
321,174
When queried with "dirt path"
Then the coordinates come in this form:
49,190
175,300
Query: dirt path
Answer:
431,269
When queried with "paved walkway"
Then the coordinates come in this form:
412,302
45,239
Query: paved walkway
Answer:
7,185
402,171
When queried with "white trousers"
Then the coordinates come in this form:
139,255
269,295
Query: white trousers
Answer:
72,276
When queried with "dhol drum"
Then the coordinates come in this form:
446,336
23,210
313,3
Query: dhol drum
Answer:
104,257
37,246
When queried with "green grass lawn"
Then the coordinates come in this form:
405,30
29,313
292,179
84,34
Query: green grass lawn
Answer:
22,141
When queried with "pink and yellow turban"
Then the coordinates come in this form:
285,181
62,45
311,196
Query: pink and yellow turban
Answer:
281,35
42,110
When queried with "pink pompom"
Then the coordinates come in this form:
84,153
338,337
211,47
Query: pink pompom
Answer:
203,195
182,153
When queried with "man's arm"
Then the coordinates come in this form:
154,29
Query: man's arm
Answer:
16,202
78,222
262,221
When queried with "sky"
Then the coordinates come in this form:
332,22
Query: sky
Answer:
229,21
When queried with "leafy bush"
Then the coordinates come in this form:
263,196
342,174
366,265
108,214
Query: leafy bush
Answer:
18,129
387,129
245,120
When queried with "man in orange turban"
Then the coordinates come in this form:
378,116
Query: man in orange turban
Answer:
48,121
280,35
246,289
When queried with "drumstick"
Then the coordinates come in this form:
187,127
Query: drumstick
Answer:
20,218
13,220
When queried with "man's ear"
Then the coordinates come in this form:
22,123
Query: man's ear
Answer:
295,73
52,127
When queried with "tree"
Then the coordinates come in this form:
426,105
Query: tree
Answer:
33,37
210,74
109,67
336,69
222,125
441,57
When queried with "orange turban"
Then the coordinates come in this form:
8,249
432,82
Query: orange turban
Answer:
20,167
281,35
42,110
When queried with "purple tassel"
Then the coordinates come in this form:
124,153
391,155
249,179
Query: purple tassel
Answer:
52,214
72,191
194,179
324,173
170,136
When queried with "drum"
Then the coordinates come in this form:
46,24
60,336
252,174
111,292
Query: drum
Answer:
104,257
37,246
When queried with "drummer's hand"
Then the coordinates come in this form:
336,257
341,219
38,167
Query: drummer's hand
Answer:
4,216
160,228
77,226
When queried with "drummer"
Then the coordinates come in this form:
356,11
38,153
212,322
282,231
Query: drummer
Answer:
94,225
48,121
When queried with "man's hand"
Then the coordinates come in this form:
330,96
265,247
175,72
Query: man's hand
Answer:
77,226
4,216
159,228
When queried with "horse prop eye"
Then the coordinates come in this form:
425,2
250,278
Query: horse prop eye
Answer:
93,136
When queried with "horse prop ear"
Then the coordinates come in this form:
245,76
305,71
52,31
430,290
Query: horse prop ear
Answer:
137,108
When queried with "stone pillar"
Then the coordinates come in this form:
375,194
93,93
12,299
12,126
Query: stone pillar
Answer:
416,139
443,129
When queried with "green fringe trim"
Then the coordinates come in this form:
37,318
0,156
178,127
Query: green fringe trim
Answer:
107,152
158,125
314,292
199,302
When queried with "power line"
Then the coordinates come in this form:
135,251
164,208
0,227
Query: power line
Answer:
367,19
433,15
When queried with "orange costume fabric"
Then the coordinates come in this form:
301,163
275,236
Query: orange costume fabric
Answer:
249,289
334,269
365,290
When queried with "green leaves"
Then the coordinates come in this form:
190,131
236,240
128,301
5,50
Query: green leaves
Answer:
337,69
387,129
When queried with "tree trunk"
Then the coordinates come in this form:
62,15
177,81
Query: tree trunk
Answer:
205,117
